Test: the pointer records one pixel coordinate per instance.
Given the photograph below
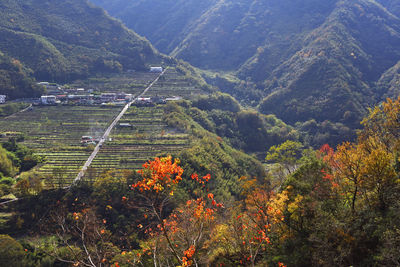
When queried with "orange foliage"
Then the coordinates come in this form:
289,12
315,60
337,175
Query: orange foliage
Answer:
201,180
159,174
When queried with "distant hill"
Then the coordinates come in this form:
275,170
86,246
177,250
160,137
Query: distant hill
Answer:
299,59
218,34
164,22
334,75
63,40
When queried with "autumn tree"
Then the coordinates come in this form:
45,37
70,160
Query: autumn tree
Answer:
365,176
81,238
178,237
368,169
247,235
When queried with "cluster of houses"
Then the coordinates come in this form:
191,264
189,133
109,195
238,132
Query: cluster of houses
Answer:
88,140
86,99
57,94
79,96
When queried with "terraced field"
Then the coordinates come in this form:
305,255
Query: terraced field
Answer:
173,83
143,136
130,83
56,132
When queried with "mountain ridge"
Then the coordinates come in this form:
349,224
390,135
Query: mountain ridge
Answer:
304,60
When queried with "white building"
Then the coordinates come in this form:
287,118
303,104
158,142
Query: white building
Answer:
173,98
2,99
156,69
48,99
44,83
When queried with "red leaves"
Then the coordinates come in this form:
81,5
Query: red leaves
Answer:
327,154
159,174
201,180
188,255
189,252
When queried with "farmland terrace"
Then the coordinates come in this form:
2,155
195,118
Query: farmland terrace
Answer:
56,131
130,82
140,135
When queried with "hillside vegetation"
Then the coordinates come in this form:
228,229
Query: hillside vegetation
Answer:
64,40
15,80
329,207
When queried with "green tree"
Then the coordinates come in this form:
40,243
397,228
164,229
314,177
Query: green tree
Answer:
6,165
11,252
286,154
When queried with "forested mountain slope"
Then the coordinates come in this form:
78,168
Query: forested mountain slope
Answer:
301,60
219,34
164,22
333,76
15,81
63,40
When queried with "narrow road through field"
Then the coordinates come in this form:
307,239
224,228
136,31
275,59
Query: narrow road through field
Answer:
20,111
108,131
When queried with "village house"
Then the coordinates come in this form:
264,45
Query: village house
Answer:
125,125
81,99
128,97
108,97
3,99
124,97
156,69
48,99
143,101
